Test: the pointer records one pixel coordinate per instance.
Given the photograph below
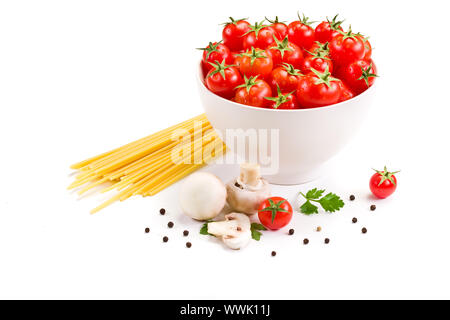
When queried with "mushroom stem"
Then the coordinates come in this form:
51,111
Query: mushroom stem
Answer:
250,174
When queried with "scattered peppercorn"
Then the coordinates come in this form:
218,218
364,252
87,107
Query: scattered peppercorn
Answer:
319,228
147,230
170,224
305,241
188,244
354,220
162,211
291,232
373,207
364,230
352,197
185,233
327,241
165,239
274,253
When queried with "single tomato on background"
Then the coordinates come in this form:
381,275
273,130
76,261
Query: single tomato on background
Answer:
285,52
259,36
359,75
319,61
222,79
215,52
253,92
279,26
275,213
318,89
327,30
255,63
233,32
383,183
286,101
346,48
286,77
301,33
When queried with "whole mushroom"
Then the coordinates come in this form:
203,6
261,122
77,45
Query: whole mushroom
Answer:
246,192
202,196
234,231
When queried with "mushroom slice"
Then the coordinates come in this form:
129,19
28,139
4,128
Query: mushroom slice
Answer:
234,231
246,192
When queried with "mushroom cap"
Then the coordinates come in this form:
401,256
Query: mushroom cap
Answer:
246,199
202,196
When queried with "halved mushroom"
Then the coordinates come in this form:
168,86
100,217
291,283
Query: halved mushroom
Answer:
246,192
234,231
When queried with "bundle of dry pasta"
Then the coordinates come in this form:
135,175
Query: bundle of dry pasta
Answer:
149,165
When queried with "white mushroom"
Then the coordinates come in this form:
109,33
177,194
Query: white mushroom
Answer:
246,192
234,231
202,196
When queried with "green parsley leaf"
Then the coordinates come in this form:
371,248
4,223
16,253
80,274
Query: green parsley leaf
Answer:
314,193
256,235
330,202
308,208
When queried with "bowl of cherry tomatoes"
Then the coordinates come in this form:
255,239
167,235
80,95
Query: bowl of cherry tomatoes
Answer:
313,85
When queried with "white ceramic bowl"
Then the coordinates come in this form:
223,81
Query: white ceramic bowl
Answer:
308,138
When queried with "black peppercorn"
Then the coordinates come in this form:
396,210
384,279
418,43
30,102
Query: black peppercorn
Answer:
352,197
327,241
291,232
373,207
165,239
188,244
185,233
147,230
305,241
364,230
354,220
170,224
274,253
162,211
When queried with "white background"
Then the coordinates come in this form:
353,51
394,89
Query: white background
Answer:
81,77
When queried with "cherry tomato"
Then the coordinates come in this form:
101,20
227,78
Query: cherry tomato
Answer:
346,93
215,52
367,47
285,52
253,93
259,36
280,28
275,213
286,77
300,33
383,183
232,33
327,30
286,101
319,61
318,89
255,62
346,48
222,79
359,75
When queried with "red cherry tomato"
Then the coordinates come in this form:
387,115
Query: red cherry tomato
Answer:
300,33
279,27
318,90
275,213
318,61
232,34
222,80
285,52
259,36
383,183
215,52
367,47
359,75
253,93
255,63
327,30
346,93
346,48
286,77
286,101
